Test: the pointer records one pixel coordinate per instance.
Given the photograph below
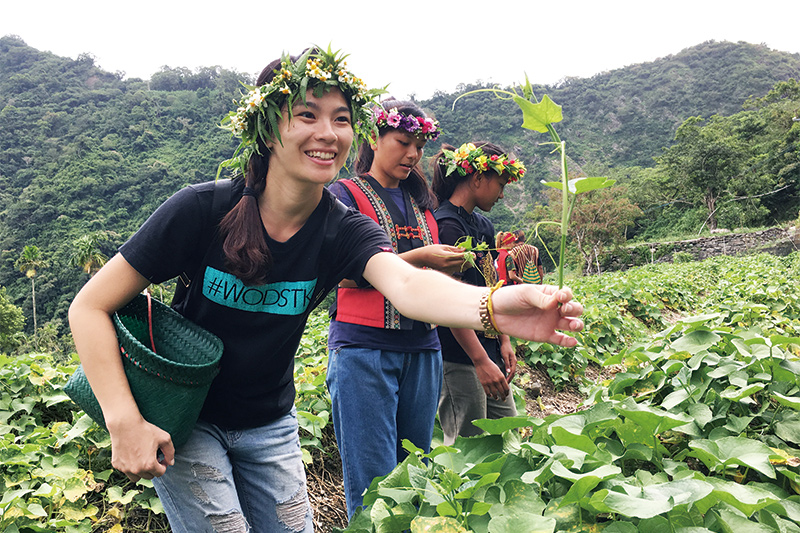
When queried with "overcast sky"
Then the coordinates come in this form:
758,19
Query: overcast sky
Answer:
417,47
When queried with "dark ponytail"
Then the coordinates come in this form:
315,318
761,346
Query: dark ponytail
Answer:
247,255
416,185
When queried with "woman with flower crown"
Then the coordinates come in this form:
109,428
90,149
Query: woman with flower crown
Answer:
478,366
257,275
377,356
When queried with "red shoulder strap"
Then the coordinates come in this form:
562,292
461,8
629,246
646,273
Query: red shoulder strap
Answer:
362,202
433,226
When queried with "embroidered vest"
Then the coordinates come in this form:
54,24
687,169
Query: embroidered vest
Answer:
367,306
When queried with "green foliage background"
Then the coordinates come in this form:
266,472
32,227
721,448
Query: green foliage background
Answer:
83,150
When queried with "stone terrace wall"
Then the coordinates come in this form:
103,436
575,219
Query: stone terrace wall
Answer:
778,241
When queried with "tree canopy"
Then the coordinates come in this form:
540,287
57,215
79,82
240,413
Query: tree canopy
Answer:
84,151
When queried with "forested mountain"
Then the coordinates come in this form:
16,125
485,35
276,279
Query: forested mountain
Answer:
83,150
626,116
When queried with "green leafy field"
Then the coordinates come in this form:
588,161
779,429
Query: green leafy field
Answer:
698,431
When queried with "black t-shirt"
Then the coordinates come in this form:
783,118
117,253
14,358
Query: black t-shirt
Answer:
260,326
454,223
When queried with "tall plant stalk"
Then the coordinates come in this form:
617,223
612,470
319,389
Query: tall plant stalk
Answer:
540,116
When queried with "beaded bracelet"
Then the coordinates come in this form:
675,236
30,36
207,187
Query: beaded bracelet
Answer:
487,313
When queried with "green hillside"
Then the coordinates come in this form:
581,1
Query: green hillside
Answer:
626,116
84,151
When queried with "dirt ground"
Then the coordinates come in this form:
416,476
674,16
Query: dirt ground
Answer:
325,475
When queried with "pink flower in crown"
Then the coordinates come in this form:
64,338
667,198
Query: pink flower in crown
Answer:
394,118
380,114
428,125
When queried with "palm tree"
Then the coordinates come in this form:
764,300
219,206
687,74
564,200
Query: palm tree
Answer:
29,260
86,254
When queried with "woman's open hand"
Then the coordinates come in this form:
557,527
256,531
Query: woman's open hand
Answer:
537,313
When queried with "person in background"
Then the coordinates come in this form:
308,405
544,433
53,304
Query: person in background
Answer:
505,263
478,365
379,359
528,264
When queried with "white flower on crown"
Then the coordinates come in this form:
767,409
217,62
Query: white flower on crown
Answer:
254,100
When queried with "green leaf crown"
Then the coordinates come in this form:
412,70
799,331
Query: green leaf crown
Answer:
317,70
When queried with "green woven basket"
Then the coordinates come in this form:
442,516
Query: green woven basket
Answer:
169,384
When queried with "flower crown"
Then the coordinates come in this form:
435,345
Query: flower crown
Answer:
422,127
468,159
259,109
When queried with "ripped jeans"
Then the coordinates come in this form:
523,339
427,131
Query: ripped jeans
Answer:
250,480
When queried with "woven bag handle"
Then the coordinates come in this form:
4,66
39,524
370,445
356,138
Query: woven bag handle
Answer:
150,320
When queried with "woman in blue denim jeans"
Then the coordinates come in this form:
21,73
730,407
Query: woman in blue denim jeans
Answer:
384,369
255,278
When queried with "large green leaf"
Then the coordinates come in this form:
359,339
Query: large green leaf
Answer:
652,500
696,341
581,185
742,393
537,116
787,426
727,451
498,426
471,451
520,511
736,522
583,482
651,419
436,524
788,401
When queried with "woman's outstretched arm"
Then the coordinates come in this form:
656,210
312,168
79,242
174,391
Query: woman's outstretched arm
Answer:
532,312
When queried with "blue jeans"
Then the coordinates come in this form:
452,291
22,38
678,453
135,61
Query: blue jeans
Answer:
378,399
238,481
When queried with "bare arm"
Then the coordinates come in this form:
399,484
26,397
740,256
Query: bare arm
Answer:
531,312
512,275
134,441
441,257
509,357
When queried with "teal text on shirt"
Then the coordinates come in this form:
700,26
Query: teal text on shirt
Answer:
280,298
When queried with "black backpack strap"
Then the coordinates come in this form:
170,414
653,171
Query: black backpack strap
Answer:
220,205
335,216
449,215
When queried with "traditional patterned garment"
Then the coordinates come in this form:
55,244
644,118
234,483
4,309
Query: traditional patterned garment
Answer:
524,254
363,305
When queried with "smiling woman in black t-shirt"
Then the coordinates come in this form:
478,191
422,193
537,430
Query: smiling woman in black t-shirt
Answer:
241,468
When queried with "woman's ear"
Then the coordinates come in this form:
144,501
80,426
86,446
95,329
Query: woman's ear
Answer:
373,140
